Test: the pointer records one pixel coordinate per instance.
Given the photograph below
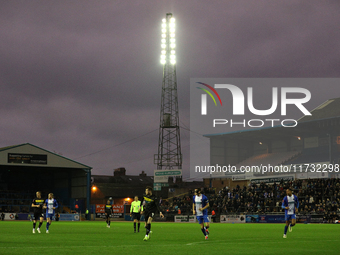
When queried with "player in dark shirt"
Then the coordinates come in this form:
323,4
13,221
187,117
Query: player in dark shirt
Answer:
108,212
37,205
150,207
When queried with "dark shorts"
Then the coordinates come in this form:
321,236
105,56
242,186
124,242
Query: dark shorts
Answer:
107,215
38,215
148,215
136,216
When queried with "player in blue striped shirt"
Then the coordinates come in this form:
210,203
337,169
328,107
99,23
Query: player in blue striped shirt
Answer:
290,203
199,207
50,205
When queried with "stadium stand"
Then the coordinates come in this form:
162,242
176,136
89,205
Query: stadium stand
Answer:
270,158
317,197
18,201
319,154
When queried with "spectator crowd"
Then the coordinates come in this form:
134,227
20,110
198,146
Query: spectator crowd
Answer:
316,196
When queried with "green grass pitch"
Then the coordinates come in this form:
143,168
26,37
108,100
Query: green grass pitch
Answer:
16,237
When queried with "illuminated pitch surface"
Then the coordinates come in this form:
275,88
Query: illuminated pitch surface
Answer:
167,238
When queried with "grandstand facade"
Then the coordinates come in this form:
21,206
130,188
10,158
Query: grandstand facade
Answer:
26,168
315,140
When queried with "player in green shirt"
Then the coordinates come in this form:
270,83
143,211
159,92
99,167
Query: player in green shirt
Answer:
135,210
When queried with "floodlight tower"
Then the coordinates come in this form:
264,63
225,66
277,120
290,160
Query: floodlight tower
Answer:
169,143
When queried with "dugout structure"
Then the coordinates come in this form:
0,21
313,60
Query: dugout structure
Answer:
26,168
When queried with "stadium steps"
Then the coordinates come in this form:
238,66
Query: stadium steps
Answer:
273,159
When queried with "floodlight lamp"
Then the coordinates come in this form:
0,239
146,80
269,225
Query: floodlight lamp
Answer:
173,52
163,25
172,46
163,35
172,57
172,30
163,20
163,61
162,56
163,46
172,35
164,52
172,40
172,25
173,61
163,30
172,20
163,41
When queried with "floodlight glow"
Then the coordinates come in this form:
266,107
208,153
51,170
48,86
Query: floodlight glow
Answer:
168,42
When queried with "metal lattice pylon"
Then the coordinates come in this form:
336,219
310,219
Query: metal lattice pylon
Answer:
169,144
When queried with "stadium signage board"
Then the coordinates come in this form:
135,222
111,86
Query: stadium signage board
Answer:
69,217
246,176
10,216
181,218
161,176
272,218
100,208
186,218
158,186
233,219
168,172
19,158
272,180
253,218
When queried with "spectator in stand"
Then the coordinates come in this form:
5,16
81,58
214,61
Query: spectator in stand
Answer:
213,215
57,216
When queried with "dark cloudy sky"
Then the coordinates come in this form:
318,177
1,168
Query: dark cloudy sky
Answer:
83,78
